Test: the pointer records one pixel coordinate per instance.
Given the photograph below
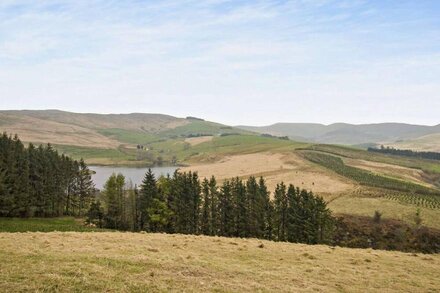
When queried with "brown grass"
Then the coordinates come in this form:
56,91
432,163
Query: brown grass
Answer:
127,262
389,170
198,140
429,142
75,129
276,167
38,131
364,204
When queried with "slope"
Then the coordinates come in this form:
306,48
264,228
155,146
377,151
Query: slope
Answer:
127,262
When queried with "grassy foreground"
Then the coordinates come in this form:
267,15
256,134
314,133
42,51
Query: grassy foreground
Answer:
122,262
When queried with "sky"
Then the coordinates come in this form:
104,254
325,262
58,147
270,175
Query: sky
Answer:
234,62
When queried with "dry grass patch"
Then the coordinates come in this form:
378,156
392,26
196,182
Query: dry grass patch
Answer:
198,140
389,170
427,143
275,167
366,206
126,262
35,130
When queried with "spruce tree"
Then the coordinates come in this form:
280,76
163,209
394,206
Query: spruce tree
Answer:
205,219
147,193
213,192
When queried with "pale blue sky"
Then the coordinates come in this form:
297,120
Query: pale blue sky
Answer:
236,62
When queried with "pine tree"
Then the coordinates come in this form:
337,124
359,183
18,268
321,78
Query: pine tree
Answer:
226,210
280,205
266,209
86,187
255,208
241,208
213,192
206,220
147,193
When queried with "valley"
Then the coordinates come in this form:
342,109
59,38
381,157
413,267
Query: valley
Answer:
192,144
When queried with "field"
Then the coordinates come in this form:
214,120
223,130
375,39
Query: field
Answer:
425,143
389,170
127,262
44,225
275,167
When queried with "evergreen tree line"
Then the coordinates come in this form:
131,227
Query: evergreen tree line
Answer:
406,153
183,203
38,181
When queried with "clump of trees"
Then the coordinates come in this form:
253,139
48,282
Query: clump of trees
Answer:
388,234
274,136
182,203
406,153
38,181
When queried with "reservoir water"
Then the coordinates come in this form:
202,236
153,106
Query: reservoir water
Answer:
102,173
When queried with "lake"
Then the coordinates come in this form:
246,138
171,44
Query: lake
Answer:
102,173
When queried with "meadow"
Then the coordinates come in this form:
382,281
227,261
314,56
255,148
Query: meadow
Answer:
13,225
136,262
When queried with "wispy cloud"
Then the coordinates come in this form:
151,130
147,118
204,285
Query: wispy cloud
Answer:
322,60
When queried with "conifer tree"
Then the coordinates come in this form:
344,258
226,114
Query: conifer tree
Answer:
241,213
280,204
205,220
213,192
226,210
147,193
86,187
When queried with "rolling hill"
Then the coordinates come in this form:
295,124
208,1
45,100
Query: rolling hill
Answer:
111,138
349,134
351,180
102,130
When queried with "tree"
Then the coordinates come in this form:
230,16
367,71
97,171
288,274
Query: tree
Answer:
95,215
267,210
147,193
85,186
226,210
206,219
280,211
113,196
213,192
241,208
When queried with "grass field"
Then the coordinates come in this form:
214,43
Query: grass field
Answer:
206,149
366,177
134,262
44,225
355,153
129,136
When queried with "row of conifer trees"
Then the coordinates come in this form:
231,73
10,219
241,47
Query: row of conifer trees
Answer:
38,181
182,203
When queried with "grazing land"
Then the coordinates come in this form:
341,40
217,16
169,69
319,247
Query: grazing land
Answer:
275,167
127,262
429,142
44,225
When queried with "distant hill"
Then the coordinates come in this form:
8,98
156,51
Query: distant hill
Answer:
102,130
349,134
